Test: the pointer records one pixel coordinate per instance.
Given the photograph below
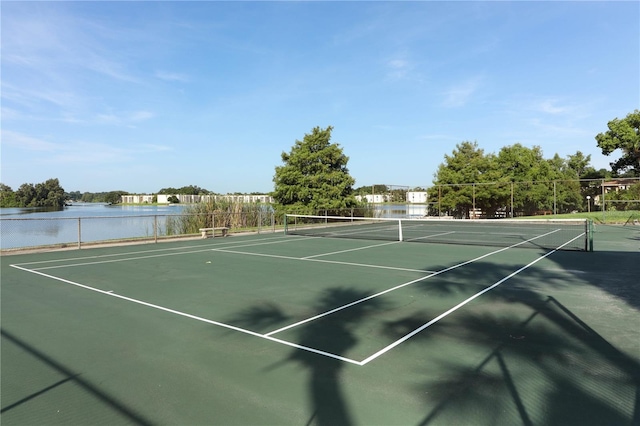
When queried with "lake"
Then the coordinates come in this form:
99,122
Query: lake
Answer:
28,227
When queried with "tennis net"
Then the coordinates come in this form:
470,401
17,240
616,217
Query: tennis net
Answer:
564,234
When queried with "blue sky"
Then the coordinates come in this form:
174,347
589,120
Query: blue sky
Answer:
139,96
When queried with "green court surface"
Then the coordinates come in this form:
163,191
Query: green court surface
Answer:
295,330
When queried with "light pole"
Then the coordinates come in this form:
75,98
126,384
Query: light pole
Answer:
589,203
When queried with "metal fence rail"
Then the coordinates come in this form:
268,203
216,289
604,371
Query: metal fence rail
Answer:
76,232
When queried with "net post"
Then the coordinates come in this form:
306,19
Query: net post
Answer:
590,234
285,224
400,230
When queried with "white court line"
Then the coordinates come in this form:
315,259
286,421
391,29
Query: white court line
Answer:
128,259
337,262
225,243
98,262
459,305
194,317
431,236
364,299
352,231
268,336
348,250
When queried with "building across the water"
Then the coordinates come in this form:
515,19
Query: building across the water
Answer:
193,199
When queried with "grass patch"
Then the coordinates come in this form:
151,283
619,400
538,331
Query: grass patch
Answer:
607,217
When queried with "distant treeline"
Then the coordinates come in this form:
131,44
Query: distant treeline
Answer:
112,197
51,194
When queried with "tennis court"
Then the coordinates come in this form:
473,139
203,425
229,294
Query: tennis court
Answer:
307,330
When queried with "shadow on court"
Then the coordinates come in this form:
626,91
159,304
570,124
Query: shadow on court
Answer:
336,335
532,359
69,377
555,344
544,364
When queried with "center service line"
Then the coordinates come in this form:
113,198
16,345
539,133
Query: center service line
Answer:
348,305
459,305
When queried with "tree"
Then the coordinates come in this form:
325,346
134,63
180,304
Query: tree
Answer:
314,176
579,164
7,196
26,194
456,179
187,190
532,177
114,197
627,199
624,135
45,194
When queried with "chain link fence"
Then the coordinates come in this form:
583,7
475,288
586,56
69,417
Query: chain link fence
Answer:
78,232
534,198
605,197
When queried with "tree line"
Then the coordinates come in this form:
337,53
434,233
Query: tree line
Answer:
314,176
50,194
522,179
517,178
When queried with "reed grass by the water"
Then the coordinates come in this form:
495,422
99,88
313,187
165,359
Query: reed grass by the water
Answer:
241,216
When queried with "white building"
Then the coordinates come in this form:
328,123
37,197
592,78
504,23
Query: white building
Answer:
419,197
373,198
136,199
192,199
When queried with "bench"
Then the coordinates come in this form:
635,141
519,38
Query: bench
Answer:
223,231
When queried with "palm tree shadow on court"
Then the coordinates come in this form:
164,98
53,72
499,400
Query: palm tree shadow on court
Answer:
543,363
333,334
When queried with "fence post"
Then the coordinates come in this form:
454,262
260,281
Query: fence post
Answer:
555,203
474,201
604,204
259,220
511,199
155,228
79,234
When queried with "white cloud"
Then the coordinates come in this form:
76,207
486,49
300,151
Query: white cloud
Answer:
149,147
398,68
461,93
25,142
77,151
124,118
171,76
550,106
140,115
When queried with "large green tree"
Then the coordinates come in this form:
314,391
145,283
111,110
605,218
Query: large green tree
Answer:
44,194
314,176
461,182
623,135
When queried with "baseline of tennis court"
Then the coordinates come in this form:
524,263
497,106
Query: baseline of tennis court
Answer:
303,330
